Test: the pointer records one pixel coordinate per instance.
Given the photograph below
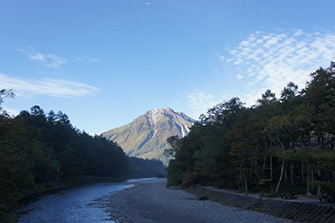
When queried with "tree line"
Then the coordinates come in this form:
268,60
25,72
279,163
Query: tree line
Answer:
41,151
285,143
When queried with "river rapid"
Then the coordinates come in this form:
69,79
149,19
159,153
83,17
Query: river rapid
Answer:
84,204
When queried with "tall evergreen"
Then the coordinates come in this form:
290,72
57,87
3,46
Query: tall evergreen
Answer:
39,152
277,144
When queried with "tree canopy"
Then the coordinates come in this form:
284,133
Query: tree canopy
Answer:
278,144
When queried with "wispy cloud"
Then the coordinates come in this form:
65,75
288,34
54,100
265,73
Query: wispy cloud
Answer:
145,3
271,60
199,103
48,59
87,59
239,76
47,86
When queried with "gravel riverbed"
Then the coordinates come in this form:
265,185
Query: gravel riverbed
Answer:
150,201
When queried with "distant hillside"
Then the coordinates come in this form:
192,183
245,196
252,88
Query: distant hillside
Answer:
146,136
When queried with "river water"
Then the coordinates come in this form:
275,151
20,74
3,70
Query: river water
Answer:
84,204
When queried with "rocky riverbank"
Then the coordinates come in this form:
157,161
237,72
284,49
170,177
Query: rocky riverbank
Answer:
150,201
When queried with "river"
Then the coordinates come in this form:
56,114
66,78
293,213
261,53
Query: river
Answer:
83,204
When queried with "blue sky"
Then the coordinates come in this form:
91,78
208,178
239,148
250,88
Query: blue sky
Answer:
104,63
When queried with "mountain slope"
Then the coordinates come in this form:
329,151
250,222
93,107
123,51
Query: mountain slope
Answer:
146,136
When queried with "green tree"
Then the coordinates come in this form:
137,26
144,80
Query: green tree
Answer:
5,93
19,149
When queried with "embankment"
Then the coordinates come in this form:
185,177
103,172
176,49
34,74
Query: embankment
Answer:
296,211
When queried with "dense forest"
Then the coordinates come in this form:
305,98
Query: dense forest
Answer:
40,151
139,167
279,144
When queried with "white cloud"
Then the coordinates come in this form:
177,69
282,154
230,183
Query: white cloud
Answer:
49,87
239,76
244,43
87,59
298,32
36,56
48,59
144,3
274,59
199,103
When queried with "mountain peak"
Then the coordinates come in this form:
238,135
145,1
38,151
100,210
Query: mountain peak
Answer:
160,110
146,136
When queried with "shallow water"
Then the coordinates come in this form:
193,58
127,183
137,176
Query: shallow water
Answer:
83,204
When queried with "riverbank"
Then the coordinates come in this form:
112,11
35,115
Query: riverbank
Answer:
54,187
150,201
302,209
82,204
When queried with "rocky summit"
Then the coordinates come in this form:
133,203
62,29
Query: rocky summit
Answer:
146,136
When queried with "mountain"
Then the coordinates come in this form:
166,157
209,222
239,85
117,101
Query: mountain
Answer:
146,136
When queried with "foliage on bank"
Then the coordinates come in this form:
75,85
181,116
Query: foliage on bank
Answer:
278,143
41,151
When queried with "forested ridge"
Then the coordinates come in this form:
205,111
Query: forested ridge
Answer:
41,151
279,144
